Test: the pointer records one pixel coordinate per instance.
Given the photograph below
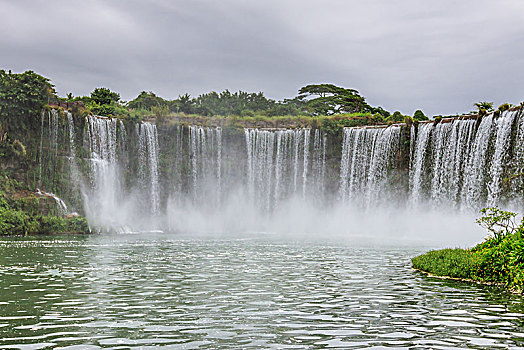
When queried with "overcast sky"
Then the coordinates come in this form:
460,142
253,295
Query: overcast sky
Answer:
440,56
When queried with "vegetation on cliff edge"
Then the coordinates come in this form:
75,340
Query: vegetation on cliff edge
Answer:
21,213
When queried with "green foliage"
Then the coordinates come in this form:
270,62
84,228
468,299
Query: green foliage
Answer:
456,263
22,98
21,214
21,222
334,124
24,94
77,224
498,222
502,108
104,102
487,106
184,104
147,100
104,96
419,115
161,113
227,103
499,259
379,110
396,117
16,222
328,99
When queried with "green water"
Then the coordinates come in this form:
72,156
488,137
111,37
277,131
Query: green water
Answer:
255,291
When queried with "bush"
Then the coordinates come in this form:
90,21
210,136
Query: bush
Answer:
16,222
456,263
499,259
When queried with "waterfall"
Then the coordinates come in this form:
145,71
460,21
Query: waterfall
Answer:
457,164
503,128
48,150
206,164
41,149
62,207
307,134
451,146
74,173
53,134
418,161
516,164
260,150
368,160
102,195
143,177
475,174
282,164
148,164
318,171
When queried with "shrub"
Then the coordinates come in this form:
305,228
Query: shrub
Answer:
499,259
456,263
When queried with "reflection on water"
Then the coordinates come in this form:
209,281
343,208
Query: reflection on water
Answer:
150,290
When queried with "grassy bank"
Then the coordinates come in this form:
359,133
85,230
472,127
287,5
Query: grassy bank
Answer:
497,260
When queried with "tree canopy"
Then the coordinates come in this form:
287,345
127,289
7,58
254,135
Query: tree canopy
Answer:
328,99
104,96
23,93
419,115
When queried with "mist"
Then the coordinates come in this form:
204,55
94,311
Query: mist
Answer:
370,186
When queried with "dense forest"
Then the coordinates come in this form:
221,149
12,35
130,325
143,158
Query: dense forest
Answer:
31,91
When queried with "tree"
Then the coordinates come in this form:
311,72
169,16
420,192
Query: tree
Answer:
185,104
396,117
419,115
328,99
379,110
147,100
499,222
104,96
488,106
23,94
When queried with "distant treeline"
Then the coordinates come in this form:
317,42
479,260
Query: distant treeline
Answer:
27,93
312,100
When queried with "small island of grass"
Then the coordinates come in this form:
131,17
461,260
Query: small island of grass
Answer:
497,260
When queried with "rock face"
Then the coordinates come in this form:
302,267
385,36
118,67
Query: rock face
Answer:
113,170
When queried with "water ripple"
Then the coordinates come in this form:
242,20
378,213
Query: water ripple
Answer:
148,291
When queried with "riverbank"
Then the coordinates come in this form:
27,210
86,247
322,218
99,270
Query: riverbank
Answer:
24,212
498,260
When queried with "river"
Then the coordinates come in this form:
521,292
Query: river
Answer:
243,291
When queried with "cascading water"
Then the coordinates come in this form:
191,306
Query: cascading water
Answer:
458,164
103,193
62,207
516,165
418,161
147,179
148,150
475,174
281,164
206,164
503,126
453,143
368,158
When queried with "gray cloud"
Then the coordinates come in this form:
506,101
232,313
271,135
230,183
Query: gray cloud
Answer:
401,54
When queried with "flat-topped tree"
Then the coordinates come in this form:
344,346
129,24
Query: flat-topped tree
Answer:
328,99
